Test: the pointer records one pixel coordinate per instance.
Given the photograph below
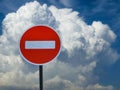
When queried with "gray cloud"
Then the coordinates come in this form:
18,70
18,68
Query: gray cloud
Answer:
16,88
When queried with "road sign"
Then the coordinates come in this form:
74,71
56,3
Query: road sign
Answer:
39,45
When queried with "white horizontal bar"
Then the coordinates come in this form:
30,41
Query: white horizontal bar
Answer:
39,44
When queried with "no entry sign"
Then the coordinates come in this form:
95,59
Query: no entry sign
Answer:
39,45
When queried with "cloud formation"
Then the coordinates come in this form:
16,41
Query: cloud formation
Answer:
83,46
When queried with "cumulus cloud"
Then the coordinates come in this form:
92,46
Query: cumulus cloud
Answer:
83,46
58,84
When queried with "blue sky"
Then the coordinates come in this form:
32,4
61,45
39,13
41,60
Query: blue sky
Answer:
106,11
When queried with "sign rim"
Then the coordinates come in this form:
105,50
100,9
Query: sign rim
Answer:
22,56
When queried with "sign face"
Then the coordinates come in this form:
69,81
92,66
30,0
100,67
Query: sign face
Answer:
39,45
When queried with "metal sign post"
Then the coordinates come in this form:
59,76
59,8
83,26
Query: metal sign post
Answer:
40,77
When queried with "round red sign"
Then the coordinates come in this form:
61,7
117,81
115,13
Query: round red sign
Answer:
39,45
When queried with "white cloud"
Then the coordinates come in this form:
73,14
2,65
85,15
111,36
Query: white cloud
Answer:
66,3
82,47
19,79
59,84
99,87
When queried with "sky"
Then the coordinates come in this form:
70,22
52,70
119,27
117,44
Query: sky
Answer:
90,54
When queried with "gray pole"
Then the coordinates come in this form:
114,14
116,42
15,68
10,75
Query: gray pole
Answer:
40,77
